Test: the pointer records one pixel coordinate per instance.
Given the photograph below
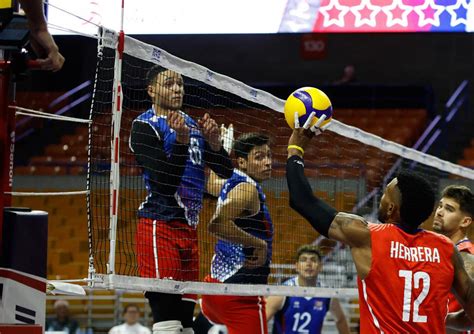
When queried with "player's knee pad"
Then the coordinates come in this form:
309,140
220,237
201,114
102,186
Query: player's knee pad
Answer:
168,327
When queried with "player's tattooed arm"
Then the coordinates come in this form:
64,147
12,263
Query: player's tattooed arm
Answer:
350,229
468,260
463,284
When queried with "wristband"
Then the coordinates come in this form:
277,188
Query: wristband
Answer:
297,148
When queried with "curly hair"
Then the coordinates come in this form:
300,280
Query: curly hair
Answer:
417,199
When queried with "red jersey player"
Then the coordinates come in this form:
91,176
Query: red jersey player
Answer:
453,217
404,273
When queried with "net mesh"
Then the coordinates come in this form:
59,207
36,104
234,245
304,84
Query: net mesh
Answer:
347,173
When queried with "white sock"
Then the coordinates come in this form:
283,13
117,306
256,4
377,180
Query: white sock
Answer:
168,327
188,330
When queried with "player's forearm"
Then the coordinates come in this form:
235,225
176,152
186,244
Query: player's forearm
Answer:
302,200
343,326
219,162
34,13
272,307
165,174
459,321
225,229
469,307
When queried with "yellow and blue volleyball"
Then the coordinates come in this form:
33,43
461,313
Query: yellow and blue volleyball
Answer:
304,101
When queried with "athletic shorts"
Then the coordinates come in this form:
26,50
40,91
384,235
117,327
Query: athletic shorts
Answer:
240,314
167,250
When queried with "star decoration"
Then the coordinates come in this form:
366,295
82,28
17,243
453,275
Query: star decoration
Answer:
456,12
470,17
423,19
333,10
397,13
365,9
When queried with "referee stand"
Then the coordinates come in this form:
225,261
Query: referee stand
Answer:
23,232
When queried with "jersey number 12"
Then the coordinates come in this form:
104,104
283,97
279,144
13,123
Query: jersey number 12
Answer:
414,279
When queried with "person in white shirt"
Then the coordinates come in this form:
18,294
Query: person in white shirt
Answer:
131,315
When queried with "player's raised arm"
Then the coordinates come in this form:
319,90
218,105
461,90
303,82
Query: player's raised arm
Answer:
463,284
41,40
147,145
216,157
242,201
214,182
274,304
347,228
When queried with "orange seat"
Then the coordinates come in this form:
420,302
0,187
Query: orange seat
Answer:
48,170
469,153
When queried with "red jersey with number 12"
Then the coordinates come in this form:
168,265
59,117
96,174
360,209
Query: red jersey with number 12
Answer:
407,287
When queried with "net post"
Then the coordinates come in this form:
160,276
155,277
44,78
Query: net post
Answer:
117,100
7,139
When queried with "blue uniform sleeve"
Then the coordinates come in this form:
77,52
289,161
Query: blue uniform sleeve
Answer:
165,173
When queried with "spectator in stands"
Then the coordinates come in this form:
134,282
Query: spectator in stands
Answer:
348,76
302,314
62,322
131,315
41,40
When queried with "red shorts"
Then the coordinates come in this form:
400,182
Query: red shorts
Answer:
240,314
167,250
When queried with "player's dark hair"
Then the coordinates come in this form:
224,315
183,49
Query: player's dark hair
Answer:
130,306
153,73
417,199
247,141
308,249
463,195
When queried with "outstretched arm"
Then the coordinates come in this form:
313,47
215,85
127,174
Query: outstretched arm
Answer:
241,201
347,228
41,40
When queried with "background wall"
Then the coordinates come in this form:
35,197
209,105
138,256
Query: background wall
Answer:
440,60
443,60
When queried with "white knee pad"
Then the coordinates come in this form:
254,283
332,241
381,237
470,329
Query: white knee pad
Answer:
168,327
188,330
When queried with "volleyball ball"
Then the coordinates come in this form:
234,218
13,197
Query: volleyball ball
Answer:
304,101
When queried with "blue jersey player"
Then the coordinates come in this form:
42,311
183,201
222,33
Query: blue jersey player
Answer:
304,315
172,150
244,230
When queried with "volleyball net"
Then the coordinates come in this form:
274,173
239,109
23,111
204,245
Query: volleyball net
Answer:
347,166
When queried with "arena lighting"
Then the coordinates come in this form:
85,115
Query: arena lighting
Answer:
280,16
